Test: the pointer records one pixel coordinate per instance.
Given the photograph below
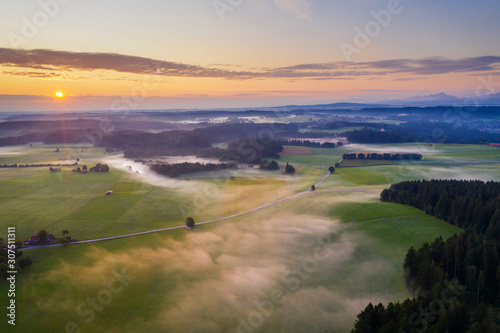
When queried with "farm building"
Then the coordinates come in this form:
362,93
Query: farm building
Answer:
494,144
35,239
109,193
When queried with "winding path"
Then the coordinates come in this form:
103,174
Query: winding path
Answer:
199,223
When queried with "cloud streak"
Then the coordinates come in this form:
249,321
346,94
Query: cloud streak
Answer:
51,63
300,9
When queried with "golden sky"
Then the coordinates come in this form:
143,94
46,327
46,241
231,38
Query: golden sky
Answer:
194,54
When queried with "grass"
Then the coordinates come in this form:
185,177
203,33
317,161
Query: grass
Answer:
40,153
372,271
361,176
242,194
40,199
361,163
362,211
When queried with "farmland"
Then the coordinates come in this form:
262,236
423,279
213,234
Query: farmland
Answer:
179,271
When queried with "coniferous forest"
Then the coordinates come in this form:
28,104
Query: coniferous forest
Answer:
456,282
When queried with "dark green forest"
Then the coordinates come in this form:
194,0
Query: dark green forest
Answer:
178,169
456,282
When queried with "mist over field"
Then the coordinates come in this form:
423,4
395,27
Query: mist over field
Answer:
214,280
143,173
418,149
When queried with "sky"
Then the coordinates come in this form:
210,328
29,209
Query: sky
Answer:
171,54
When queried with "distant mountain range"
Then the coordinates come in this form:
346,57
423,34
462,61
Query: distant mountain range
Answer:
440,99
429,100
443,99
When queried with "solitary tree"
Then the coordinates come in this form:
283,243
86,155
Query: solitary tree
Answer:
189,222
84,168
313,188
289,169
331,169
24,262
42,236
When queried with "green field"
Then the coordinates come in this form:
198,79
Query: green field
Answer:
361,176
361,163
217,272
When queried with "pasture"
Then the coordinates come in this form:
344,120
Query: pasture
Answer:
219,272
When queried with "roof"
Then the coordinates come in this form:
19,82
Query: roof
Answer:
495,144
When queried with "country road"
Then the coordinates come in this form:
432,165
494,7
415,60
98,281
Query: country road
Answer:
199,223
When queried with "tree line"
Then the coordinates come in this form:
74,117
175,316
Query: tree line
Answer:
468,204
247,150
178,169
308,143
456,281
384,156
33,165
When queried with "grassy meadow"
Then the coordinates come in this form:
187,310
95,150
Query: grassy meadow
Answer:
327,253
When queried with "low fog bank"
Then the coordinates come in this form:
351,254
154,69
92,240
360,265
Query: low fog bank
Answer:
10,151
274,274
420,149
459,173
143,173
182,159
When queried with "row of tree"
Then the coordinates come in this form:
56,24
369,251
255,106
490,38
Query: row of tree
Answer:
34,165
98,168
375,136
308,143
384,156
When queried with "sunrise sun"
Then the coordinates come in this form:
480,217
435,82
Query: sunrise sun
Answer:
59,94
